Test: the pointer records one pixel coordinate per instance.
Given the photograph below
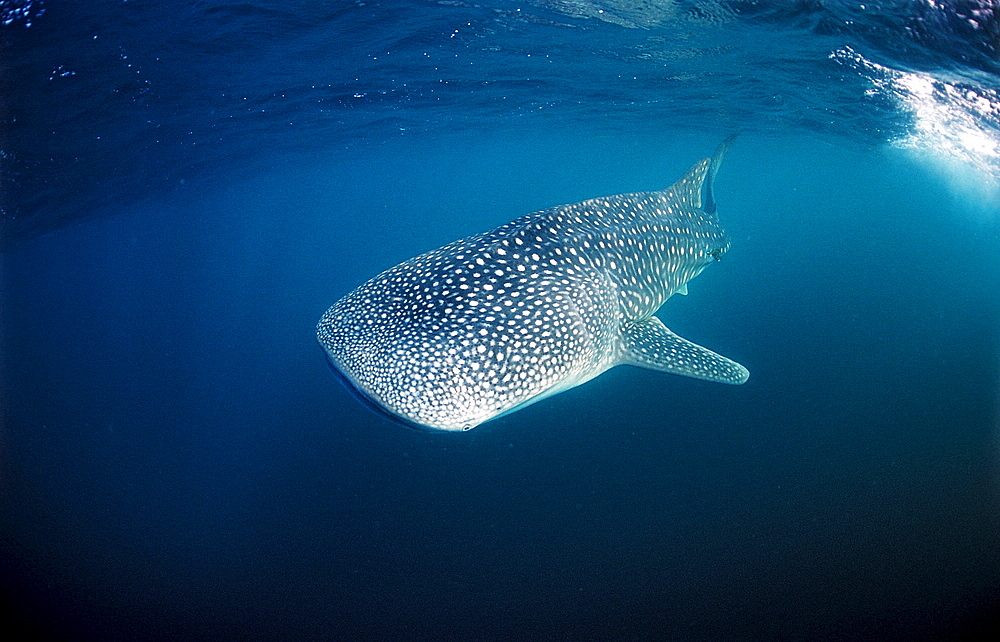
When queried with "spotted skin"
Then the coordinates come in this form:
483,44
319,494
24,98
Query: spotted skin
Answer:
491,323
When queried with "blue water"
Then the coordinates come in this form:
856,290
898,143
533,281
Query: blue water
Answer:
186,188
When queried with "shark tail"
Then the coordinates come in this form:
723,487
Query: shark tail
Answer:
708,196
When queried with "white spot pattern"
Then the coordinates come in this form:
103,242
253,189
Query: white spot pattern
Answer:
495,321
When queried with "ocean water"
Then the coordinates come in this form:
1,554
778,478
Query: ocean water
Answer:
186,187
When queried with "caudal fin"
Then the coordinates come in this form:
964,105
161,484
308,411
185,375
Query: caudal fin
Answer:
708,198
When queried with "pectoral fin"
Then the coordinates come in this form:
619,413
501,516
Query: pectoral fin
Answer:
650,344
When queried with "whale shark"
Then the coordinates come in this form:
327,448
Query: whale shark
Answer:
491,323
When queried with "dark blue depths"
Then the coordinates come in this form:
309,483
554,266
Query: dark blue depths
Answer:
180,462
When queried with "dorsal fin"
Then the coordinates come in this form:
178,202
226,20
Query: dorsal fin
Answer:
695,187
688,188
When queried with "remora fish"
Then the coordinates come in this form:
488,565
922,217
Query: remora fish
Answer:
491,323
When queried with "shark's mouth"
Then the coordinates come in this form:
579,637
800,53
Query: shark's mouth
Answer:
366,400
